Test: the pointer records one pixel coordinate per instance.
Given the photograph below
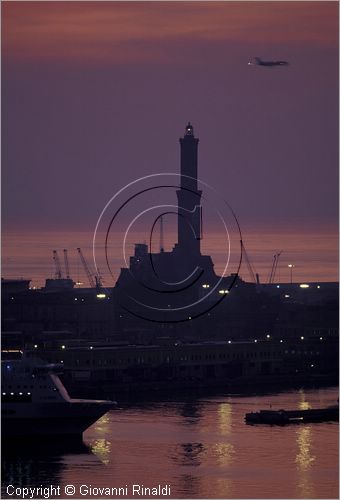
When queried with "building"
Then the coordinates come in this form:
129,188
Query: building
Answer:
172,281
108,369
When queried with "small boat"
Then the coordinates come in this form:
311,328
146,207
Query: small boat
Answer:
36,403
283,417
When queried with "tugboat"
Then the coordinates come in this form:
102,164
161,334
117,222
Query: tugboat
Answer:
35,402
283,417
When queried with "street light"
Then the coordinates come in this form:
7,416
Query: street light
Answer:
291,272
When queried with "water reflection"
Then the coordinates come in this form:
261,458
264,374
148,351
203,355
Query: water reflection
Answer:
191,411
304,461
203,449
303,404
189,454
102,448
304,458
102,425
224,452
224,488
225,418
189,486
27,463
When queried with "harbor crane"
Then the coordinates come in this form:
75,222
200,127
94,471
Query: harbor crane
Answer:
274,267
58,272
94,280
253,275
67,267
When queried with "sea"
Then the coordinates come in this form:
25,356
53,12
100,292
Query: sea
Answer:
313,253
185,446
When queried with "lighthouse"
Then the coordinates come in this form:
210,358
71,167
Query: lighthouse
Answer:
173,282
189,199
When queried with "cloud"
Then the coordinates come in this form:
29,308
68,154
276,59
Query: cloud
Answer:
127,32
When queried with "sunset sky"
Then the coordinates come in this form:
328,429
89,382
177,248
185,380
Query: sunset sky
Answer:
96,94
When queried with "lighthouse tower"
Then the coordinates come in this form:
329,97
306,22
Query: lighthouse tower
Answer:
189,198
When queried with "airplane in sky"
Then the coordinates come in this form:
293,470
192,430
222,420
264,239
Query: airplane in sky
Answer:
258,62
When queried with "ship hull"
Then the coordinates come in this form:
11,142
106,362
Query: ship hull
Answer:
66,419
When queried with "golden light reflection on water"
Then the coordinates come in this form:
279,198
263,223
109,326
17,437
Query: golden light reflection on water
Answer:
102,448
224,488
304,458
225,418
304,461
102,424
303,404
224,453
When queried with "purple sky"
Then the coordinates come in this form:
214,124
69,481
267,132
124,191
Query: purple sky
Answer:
96,94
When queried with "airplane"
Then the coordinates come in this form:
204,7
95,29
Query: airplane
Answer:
259,62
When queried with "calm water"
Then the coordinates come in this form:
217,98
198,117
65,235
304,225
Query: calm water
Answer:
200,447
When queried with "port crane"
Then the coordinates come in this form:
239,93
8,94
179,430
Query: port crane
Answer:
253,275
94,280
58,272
67,267
274,267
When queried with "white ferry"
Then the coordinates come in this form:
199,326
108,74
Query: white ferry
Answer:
35,402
